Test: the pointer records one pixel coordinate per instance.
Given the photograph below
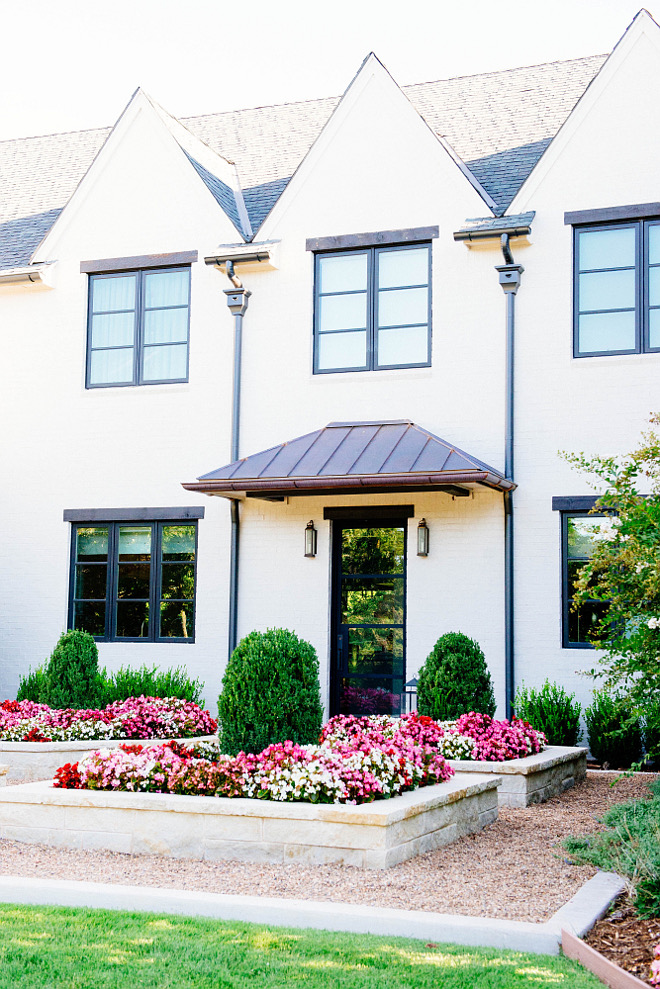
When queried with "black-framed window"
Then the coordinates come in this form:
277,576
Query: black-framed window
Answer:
134,581
617,288
578,538
372,309
138,327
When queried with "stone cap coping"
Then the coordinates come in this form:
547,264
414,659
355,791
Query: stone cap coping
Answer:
3,769
379,812
553,755
92,744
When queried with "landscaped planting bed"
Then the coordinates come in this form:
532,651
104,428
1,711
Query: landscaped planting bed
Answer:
36,740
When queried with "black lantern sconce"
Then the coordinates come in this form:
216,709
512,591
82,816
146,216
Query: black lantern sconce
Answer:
310,539
422,538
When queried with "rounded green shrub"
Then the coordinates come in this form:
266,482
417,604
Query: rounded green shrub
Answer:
72,674
615,737
551,710
270,693
455,679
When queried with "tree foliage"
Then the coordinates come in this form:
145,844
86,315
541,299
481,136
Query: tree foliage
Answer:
624,573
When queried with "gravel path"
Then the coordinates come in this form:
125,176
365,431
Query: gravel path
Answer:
514,869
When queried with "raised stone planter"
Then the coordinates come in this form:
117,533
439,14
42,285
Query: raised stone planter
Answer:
3,775
534,779
40,760
373,836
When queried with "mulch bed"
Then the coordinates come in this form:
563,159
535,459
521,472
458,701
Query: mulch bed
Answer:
626,939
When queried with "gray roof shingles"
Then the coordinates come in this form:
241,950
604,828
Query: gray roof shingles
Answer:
499,123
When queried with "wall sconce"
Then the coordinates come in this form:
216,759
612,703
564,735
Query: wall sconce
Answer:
422,538
310,539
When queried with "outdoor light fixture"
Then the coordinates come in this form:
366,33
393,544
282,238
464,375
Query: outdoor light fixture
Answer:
310,539
422,538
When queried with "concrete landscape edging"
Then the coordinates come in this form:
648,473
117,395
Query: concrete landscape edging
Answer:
41,760
534,779
374,835
589,903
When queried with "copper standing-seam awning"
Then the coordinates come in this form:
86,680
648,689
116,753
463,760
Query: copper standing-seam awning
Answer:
353,458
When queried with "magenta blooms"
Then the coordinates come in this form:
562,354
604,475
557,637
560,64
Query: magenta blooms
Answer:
137,717
357,760
654,977
497,741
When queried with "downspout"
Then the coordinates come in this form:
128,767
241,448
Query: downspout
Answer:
237,300
510,275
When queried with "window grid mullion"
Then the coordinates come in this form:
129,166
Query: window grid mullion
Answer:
113,582
156,569
372,332
139,329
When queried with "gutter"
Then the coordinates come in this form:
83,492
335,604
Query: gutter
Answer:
24,275
341,483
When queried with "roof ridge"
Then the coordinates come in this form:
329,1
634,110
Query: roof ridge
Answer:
501,72
184,119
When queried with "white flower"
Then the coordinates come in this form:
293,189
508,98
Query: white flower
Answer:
653,623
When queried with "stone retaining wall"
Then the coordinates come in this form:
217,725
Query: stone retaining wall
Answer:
376,835
40,760
534,779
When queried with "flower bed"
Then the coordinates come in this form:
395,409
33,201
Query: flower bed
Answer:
36,740
356,761
137,717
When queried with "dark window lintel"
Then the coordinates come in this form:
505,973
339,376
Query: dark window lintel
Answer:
574,503
612,213
369,512
140,261
91,515
377,239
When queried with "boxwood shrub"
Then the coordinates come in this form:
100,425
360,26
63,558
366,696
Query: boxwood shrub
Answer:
270,693
455,679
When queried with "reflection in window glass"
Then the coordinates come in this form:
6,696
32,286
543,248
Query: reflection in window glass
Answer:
362,294
135,581
581,534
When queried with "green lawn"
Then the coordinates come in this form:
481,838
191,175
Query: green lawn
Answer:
61,948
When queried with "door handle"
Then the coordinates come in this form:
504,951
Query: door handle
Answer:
340,653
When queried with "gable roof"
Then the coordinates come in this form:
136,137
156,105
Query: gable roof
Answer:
499,123
344,457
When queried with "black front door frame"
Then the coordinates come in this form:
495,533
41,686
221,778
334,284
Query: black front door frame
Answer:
396,517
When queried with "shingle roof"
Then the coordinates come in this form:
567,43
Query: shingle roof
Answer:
499,123
347,456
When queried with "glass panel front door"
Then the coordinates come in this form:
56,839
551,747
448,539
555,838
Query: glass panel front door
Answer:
369,606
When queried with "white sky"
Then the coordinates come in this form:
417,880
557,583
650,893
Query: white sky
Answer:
71,64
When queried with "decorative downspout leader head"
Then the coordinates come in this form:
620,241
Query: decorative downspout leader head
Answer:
237,297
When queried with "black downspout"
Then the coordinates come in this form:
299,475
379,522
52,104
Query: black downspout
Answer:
510,275
237,300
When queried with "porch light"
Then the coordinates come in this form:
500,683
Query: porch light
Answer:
310,539
422,538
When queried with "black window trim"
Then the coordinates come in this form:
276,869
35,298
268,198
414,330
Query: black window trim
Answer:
138,346
641,226
113,575
373,252
566,599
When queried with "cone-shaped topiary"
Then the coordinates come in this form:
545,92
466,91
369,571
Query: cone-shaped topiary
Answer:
270,693
72,675
454,680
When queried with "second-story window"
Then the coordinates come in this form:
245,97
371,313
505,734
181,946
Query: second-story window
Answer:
617,288
373,309
138,327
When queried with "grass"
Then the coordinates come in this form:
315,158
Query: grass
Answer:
63,948
630,845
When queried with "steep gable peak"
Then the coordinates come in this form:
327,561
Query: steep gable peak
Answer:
218,174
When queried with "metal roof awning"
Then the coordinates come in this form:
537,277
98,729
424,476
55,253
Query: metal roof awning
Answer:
353,458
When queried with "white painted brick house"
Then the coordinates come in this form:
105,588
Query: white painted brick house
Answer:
373,370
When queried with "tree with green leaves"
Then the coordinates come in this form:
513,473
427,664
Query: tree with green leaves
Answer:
624,574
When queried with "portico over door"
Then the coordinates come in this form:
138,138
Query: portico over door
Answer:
368,616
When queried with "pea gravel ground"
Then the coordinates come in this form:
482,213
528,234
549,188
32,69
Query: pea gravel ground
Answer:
514,869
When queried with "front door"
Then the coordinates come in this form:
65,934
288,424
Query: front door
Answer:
368,617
